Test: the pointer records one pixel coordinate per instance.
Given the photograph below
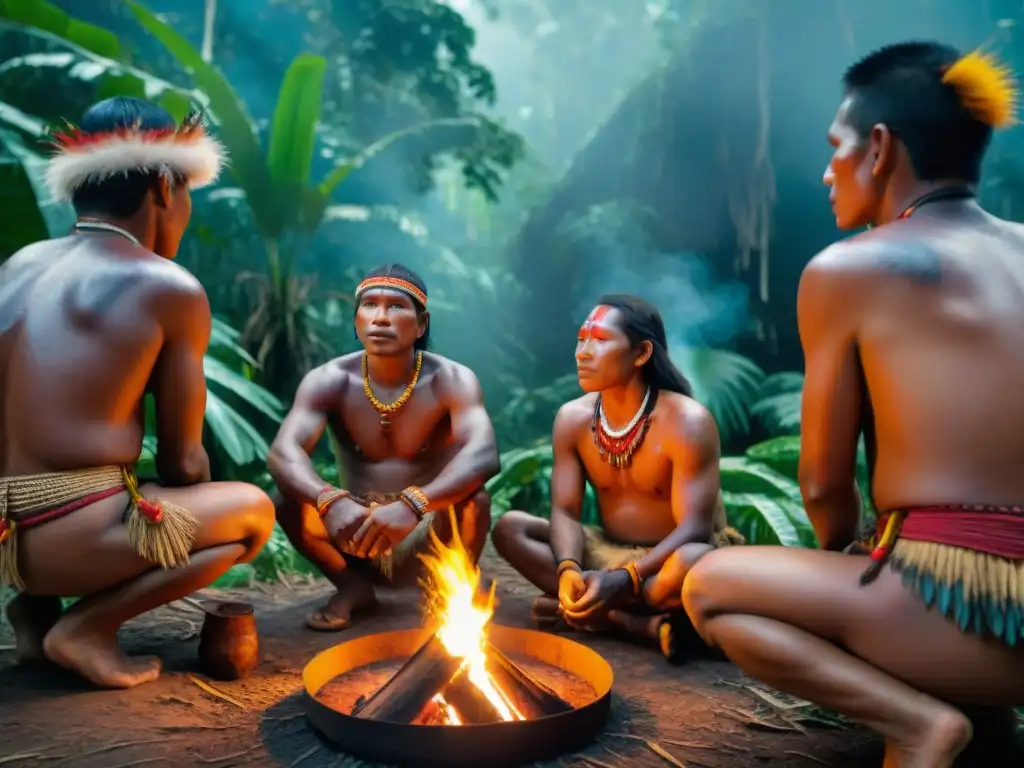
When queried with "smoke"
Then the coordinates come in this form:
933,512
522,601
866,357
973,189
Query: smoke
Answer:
613,240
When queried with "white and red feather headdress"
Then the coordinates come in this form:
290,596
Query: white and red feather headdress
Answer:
82,157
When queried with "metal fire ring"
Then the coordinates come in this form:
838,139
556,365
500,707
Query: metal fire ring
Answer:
493,744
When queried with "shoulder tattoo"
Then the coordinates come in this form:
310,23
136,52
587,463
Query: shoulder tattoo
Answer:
915,261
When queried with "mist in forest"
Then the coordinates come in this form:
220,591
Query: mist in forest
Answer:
606,95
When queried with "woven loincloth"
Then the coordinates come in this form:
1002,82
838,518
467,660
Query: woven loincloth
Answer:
413,544
161,533
978,584
603,553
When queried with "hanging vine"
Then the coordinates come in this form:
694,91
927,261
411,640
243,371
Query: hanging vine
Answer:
751,191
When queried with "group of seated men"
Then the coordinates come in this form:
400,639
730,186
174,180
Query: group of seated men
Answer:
911,331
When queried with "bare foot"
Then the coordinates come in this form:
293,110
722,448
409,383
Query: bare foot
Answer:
32,617
96,656
356,595
546,614
643,627
937,744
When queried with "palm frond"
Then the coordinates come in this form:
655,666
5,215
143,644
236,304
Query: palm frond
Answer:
725,382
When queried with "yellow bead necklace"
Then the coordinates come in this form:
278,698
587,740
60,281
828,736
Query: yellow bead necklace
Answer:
384,409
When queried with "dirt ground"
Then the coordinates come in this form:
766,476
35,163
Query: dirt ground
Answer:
702,714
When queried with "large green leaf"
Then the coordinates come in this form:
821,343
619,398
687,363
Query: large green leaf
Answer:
46,16
248,391
236,128
293,139
27,213
317,199
725,382
766,520
103,77
781,454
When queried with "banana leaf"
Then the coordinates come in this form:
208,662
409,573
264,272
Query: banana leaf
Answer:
26,212
48,17
236,128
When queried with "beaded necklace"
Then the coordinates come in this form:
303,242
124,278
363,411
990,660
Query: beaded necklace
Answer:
385,409
616,447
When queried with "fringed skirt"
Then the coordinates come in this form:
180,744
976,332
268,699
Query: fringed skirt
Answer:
160,532
414,544
603,553
965,562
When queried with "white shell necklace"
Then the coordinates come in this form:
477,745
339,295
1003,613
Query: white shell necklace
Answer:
93,225
617,433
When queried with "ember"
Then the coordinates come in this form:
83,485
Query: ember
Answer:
457,677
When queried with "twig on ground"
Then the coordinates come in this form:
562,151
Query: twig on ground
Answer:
143,761
308,753
214,692
751,719
691,744
595,762
804,754
284,718
20,756
243,753
118,745
664,754
775,701
174,728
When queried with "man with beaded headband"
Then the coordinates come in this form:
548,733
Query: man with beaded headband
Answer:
414,445
89,324
913,335
650,452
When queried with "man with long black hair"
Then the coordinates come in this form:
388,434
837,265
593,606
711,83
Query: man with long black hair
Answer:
412,439
650,452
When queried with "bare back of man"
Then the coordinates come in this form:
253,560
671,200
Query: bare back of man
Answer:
439,441
89,324
79,340
913,334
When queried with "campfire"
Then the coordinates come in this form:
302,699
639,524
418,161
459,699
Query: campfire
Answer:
458,677
469,692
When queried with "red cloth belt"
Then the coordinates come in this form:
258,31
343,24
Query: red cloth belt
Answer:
995,531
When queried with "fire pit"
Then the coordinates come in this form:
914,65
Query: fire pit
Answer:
468,694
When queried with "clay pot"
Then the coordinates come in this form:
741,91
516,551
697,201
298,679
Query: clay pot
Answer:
229,645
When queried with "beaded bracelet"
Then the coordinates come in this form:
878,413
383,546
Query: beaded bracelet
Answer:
416,500
328,496
568,564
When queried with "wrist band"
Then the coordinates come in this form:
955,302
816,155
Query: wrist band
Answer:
634,577
568,564
328,496
416,500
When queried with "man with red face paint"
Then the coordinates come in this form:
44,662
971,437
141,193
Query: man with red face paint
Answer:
414,446
913,335
650,452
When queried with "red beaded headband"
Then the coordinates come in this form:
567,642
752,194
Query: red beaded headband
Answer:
395,284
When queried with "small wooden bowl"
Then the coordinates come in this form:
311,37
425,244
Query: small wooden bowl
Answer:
229,645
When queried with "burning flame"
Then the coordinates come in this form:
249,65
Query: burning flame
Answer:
452,586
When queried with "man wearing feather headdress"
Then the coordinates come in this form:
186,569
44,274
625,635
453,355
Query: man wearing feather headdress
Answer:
913,334
89,325
414,446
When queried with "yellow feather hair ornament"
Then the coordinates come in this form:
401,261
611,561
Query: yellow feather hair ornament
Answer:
986,87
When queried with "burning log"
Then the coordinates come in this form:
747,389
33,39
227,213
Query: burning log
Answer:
403,697
472,706
531,697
